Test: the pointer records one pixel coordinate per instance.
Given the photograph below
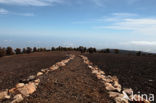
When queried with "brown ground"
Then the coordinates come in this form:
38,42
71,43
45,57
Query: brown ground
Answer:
18,67
136,72
73,83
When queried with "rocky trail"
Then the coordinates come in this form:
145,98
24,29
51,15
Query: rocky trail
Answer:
73,80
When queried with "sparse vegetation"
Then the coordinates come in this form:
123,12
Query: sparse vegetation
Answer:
34,49
29,50
18,51
138,53
116,51
107,50
91,50
9,51
2,52
24,51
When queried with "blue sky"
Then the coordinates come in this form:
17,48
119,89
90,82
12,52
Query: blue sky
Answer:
123,24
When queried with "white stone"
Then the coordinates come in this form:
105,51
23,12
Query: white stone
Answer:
17,98
100,76
39,73
54,67
128,91
19,85
117,86
109,87
32,77
115,94
37,81
27,89
4,95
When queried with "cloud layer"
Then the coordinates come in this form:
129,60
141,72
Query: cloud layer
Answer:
31,2
3,11
130,22
6,12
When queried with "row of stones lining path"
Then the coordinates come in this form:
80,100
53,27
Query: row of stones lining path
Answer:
74,80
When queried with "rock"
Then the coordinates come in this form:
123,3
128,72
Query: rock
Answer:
32,77
100,76
54,67
115,94
37,81
101,72
90,67
121,100
27,89
24,81
17,98
108,80
117,86
4,95
95,71
19,85
109,87
39,73
66,61
128,91
114,78
44,70
12,90
61,64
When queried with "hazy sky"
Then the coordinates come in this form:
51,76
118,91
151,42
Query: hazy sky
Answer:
123,24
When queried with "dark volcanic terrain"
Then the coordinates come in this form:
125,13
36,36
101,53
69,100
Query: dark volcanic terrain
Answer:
136,72
17,67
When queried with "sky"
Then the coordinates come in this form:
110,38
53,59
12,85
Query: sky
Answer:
122,24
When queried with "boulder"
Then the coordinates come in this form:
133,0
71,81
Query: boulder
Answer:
17,98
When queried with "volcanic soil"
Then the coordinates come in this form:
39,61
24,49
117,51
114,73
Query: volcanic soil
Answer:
136,72
17,67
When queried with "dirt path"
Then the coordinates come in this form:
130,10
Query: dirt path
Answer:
73,83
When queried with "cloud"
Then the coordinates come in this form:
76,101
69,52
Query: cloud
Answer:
6,12
98,2
124,14
141,26
24,14
141,43
3,11
30,2
129,22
